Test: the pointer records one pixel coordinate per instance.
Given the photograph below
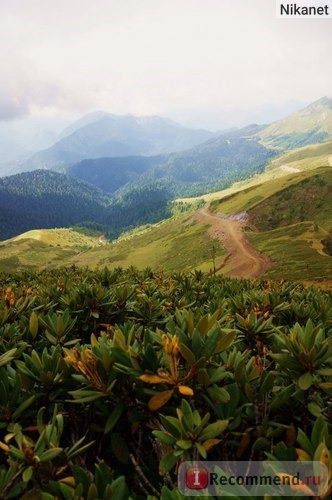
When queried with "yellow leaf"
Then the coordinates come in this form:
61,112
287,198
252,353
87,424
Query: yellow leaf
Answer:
60,470
9,436
301,487
68,480
159,400
152,379
4,447
210,443
325,456
93,341
302,455
325,385
185,391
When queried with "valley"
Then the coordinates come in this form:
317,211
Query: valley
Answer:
164,211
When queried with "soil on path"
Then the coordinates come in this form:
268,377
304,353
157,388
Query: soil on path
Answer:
245,261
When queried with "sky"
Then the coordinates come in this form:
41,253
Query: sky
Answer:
209,63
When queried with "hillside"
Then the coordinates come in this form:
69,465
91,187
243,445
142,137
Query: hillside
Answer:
45,199
216,163
290,219
313,124
176,244
110,174
307,157
111,136
43,248
298,248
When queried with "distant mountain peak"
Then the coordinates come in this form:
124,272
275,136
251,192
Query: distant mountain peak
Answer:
323,101
101,134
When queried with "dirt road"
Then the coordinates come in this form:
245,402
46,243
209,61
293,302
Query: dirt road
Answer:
245,261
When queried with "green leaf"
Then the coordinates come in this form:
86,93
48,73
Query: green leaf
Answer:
305,381
314,409
304,442
167,494
213,430
164,437
33,324
114,417
261,444
23,406
187,354
282,397
218,374
326,372
172,425
319,432
84,396
187,419
51,338
119,489
92,492
27,474
184,444
46,496
267,384
218,394
167,463
7,357
225,342
202,451
50,454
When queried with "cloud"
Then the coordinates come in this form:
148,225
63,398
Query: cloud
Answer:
154,56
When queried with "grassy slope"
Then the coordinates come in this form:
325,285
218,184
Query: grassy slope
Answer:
250,197
42,248
306,158
306,126
177,244
295,245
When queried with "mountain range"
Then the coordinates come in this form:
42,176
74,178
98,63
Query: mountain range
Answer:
131,168
106,135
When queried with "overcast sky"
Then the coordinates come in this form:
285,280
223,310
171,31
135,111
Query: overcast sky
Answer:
212,62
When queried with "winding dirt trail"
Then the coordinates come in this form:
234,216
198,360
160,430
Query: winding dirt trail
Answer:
245,260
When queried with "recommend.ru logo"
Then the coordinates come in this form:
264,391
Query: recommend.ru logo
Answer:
271,478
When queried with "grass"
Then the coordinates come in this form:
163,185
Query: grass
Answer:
308,199
297,254
306,158
309,124
38,249
63,237
174,245
253,196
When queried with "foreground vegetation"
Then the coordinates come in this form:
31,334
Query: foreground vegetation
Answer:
109,379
